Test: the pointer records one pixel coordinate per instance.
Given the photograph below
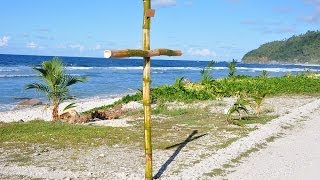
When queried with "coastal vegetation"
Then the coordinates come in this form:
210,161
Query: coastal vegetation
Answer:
218,112
250,91
296,49
56,84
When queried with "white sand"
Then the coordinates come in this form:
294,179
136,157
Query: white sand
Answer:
41,112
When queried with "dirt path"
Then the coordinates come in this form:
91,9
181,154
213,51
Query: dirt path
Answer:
294,156
205,168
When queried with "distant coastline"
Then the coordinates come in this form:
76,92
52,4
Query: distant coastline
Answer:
301,49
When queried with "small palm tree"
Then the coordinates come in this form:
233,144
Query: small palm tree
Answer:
257,99
205,73
238,106
232,67
56,83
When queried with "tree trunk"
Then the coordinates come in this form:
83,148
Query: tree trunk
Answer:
55,110
146,91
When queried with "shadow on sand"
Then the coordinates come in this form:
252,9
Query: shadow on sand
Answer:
176,152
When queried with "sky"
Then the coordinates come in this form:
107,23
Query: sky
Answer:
219,30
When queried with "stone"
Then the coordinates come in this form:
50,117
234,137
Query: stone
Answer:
29,103
101,155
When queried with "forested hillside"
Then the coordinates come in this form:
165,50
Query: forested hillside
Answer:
303,48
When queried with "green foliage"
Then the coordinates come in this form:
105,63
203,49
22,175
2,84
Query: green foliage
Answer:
69,106
255,87
257,99
232,67
264,74
56,82
239,106
297,49
205,73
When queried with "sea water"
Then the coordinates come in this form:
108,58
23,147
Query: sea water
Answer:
114,77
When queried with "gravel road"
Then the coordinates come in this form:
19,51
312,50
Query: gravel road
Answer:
294,156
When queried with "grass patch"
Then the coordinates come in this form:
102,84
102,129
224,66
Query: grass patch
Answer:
60,134
216,172
170,126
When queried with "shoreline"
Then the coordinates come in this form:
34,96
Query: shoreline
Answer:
44,113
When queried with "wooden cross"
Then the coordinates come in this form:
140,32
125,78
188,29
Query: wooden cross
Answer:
146,53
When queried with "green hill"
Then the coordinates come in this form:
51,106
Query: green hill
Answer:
304,48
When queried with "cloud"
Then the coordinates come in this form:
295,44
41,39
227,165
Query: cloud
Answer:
77,46
32,45
4,41
164,3
315,16
98,47
204,52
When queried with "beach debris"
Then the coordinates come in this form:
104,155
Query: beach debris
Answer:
113,113
71,116
29,103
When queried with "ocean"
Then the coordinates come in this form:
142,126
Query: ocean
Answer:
114,77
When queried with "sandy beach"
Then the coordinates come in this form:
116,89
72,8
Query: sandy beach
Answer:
44,113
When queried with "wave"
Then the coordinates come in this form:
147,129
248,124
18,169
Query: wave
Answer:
24,69
134,68
80,68
17,75
275,69
14,68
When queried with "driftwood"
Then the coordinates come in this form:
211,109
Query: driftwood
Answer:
108,114
140,53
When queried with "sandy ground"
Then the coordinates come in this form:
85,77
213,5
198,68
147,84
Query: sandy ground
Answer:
295,152
294,156
44,113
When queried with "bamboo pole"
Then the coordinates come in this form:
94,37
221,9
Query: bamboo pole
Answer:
146,90
140,53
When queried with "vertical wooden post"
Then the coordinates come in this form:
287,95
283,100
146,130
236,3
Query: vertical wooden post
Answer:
146,91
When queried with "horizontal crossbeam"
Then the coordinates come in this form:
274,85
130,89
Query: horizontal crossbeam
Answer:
140,53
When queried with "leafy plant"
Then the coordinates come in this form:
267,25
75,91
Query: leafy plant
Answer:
257,99
205,73
232,67
239,106
56,83
264,74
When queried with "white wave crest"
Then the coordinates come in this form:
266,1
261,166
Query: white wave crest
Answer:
79,68
17,75
274,69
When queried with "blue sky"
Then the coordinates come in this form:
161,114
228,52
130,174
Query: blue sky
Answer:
203,29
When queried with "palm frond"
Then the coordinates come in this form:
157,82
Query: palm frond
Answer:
42,71
38,87
69,80
69,106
